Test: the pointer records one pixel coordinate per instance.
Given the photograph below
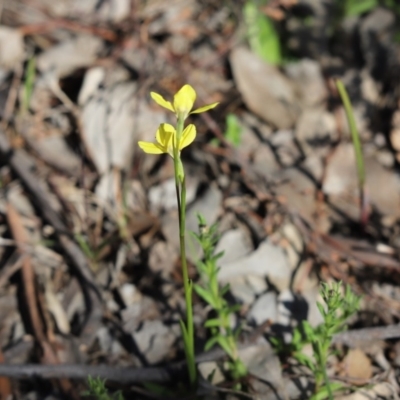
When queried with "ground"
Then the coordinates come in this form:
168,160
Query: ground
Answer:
90,274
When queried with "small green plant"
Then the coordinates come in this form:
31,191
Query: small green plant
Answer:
93,253
337,308
357,7
210,291
233,131
29,83
262,35
97,389
357,149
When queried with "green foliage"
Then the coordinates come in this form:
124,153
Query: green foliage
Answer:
262,34
29,83
98,390
337,308
210,291
357,7
233,131
356,144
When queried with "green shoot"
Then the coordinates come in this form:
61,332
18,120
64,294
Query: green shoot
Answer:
98,390
28,84
262,35
233,131
357,148
222,332
357,7
337,308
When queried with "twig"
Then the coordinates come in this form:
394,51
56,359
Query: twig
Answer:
59,23
128,375
38,190
28,280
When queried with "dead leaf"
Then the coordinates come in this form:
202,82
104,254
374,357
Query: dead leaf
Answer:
357,367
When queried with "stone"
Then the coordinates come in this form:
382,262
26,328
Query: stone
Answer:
263,363
264,309
154,340
246,287
234,244
307,74
341,172
267,261
266,91
11,47
316,129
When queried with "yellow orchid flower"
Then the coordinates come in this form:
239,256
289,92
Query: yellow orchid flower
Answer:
183,102
166,137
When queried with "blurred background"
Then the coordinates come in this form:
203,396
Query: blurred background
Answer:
89,246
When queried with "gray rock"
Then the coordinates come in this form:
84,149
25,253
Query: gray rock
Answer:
263,363
341,173
316,129
11,47
208,368
154,340
383,185
267,261
264,309
235,244
307,74
285,299
246,287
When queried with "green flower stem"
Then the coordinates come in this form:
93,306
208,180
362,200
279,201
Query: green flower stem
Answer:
188,328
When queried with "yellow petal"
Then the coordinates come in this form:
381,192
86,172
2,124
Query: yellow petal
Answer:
161,101
204,108
184,100
188,136
165,136
151,148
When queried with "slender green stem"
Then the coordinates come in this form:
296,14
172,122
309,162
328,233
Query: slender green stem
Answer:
187,327
357,148
322,357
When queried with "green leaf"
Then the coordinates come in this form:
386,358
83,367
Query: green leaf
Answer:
233,309
323,392
225,289
224,343
305,360
233,131
206,296
309,331
211,343
28,84
213,322
321,309
89,253
357,7
262,35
